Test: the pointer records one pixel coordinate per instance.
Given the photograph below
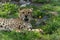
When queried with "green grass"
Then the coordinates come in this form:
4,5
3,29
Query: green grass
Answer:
51,29
19,36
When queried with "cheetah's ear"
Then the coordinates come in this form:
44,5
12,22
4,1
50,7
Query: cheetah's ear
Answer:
31,8
19,10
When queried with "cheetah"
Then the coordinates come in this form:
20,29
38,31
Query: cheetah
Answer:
22,22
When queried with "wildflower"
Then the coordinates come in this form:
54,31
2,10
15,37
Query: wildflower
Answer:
40,16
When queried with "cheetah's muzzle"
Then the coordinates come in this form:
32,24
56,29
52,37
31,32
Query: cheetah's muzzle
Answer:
26,18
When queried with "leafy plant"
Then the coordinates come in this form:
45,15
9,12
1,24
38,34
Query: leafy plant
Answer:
8,9
52,25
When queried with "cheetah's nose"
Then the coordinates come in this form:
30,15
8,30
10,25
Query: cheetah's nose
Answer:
25,16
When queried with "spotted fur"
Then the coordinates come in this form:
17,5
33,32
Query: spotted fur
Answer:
17,23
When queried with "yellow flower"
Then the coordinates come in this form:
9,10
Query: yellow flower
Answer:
40,16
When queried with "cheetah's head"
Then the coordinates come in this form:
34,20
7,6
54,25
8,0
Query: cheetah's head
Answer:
25,14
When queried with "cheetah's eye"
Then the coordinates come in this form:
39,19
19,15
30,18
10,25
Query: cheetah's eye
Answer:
1,26
29,12
23,12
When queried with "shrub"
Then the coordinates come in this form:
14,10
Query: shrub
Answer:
8,10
